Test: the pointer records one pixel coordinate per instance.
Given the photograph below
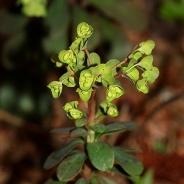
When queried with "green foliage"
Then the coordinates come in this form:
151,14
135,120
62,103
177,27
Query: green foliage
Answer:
101,155
85,72
172,10
33,8
70,166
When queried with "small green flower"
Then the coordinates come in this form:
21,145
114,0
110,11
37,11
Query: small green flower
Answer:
109,108
84,30
114,91
67,56
70,105
112,111
74,113
56,88
86,80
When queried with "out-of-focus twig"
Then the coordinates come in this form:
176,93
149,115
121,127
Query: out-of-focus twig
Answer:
11,119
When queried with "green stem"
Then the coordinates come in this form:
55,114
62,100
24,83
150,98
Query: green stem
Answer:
91,116
132,67
119,64
87,53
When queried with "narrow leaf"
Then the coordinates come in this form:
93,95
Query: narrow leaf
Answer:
116,127
58,155
101,155
100,128
70,166
128,162
79,132
62,130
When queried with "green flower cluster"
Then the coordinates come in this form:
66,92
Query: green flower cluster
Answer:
109,109
87,73
71,110
141,59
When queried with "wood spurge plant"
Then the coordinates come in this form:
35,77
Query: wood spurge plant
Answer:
84,158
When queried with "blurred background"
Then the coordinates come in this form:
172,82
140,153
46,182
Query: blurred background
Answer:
31,31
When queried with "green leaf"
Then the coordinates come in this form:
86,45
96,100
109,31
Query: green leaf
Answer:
133,74
55,157
99,179
128,162
80,122
70,166
54,58
151,75
101,155
137,56
146,62
146,47
79,132
95,58
142,86
107,76
52,181
128,66
84,95
62,130
81,181
117,127
100,128
147,178
111,63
